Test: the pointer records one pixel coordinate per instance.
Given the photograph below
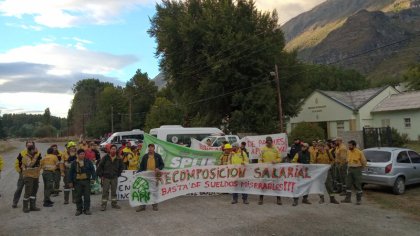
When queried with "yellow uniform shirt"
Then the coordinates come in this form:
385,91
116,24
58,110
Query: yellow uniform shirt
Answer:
133,161
29,167
239,158
151,164
269,155
341,154
323,158
225,159
356,158
49,162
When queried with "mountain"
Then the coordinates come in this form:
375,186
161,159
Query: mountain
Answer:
160,81
345,31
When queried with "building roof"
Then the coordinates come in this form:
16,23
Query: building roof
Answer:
402,101
353,99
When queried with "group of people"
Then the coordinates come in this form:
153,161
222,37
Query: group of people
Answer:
80,166
345,173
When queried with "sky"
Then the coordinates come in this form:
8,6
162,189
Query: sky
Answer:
46,46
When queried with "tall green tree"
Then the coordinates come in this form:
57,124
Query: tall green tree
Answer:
2,131
412,76
217,48
163,112
47,116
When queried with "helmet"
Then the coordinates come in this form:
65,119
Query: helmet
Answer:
71,144
228,146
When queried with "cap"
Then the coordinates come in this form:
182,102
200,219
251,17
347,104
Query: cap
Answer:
228,146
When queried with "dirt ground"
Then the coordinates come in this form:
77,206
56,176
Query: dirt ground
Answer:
201,216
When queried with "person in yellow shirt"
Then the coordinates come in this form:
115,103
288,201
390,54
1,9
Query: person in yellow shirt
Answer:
132,159
356,163
323,156
227,153
269,154
49,164
151,161
341,165
30,172
239,157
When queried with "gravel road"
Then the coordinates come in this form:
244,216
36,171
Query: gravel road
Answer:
197,216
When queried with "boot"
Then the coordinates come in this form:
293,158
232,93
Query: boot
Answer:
88,212
115,205
78,213
295,202
343,191
14,205
155,207
103,206
261,200
347,199
234,201
141,208
73,199
66,197
245,201
321,199
358,198
306,201
333,201
26,206
279,201
32,205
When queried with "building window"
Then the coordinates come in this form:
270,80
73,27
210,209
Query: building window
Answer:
385,123
340,126
407,122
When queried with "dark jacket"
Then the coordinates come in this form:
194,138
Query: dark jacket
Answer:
295,148
158,162
304,157
87,168
110,169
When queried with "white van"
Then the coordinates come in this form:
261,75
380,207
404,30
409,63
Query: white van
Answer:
217,141
117,137
181,135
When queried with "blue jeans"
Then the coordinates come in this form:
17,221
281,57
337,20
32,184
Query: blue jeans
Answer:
236,195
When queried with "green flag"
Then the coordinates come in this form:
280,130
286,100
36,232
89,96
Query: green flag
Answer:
176,156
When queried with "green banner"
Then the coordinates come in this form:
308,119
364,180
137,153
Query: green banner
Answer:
176,156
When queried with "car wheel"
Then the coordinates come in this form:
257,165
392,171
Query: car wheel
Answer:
399,186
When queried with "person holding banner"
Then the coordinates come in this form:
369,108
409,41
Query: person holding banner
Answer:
109,169
323,156
151,161
239,157
269,154
227,153
302,157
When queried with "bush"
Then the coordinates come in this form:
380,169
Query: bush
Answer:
45,131
307,132
399,140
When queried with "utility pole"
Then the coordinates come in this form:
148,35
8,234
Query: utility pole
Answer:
112,119
280,110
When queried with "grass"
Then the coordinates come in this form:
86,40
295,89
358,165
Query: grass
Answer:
6,146
409,202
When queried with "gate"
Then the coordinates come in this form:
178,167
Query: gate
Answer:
377,137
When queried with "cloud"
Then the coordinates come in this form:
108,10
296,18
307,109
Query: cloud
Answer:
287,9
69,13
67,59
25,27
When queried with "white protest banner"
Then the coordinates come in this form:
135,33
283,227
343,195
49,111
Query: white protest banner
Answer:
197,145
255,143
124,184
286,180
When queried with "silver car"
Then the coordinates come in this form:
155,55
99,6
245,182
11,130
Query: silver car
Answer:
394,167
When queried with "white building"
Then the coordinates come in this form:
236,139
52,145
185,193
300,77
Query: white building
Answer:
341,111
400,111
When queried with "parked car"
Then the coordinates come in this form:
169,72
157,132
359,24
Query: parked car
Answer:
393,167
116,138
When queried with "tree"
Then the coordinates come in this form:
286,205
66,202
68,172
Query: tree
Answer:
2,131
307,132
47,116
211,50
412,76
163,112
